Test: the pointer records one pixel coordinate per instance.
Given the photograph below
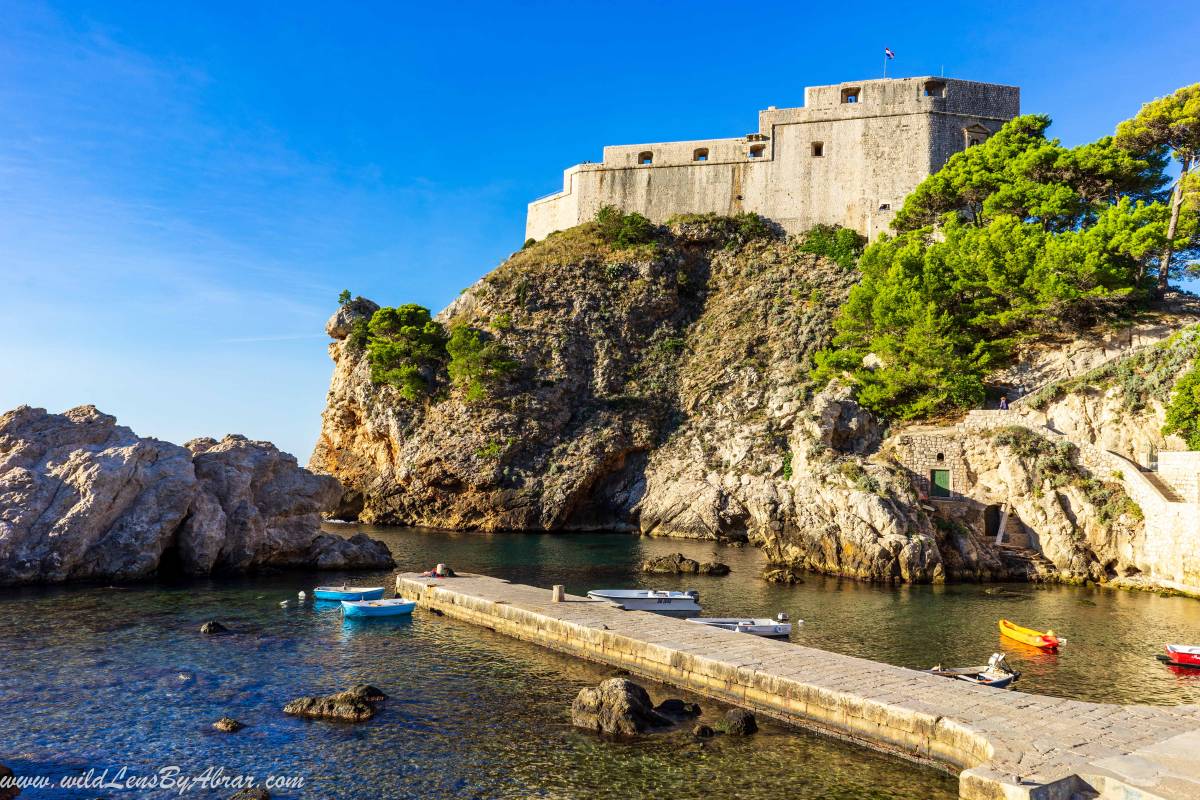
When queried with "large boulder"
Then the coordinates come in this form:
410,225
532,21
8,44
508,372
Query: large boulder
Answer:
82,498
617,706
673,564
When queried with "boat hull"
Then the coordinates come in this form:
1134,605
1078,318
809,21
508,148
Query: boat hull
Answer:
377,608
1043,641
658,602
1183,655
349,593
758,627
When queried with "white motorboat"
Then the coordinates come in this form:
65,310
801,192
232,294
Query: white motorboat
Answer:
650,600
779,627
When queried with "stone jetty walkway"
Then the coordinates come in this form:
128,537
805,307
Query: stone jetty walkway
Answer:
1005,745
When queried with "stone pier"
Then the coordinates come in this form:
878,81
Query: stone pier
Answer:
1004,745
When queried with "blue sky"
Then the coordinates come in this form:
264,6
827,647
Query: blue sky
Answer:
185,187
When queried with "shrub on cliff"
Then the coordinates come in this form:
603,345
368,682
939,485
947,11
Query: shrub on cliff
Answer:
404,345
406,348
1183,414
1015,238
842,245
476,361
624,230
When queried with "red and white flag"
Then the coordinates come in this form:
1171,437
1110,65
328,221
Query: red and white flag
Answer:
887,51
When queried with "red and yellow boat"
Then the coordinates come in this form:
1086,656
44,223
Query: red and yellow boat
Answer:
1046,641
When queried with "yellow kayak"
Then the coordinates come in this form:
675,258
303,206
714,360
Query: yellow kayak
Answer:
1046,641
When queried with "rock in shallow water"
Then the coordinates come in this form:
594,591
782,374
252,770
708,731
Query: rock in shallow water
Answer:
677,708
213,628
740,722
7,792
82,498
356,704
228,725
252,794
616,706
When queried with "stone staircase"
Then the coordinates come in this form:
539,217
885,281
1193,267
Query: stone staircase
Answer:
1169,494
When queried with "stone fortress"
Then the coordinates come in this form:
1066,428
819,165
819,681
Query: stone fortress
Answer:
848,157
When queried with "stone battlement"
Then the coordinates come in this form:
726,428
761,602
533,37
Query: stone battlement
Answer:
848,156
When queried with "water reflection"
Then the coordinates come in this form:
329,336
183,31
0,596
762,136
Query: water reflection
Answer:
1112,636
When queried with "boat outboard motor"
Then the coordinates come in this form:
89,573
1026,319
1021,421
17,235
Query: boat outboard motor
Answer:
782,616
997,663
692,593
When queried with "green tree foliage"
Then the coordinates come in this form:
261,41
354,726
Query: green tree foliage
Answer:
403,347
406,348
1183,413
344,297
624,230
476,361
1014,238
842,245
1171,125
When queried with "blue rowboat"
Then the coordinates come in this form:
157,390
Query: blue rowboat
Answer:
377,608
348,592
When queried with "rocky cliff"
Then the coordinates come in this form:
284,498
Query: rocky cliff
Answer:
82,498
664,389
661,388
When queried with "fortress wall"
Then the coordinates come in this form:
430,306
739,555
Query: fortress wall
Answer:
874,152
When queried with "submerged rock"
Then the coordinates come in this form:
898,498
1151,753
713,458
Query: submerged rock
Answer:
213,628
675,707
228,725
714,568
702,731
740,722
356,704
82,498
617,706
7,792
252,794
787,575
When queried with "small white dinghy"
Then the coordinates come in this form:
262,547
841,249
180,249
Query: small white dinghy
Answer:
774,628
650,600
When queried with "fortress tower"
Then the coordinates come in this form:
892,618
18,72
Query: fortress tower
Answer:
849,156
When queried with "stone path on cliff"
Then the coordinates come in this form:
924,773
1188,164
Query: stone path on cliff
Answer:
1005,744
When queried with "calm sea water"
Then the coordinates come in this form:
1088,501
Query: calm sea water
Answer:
100,678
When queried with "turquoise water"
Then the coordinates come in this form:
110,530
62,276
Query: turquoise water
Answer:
94,678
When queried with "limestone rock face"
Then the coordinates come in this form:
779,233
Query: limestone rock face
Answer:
661,392
341,324
82,498
617,706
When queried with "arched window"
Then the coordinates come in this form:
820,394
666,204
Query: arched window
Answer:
935,89
818,149
975,134
851,94
700,154
645,157
757,150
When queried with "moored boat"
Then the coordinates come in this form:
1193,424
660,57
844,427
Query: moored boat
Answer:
1046,641
377,608
996,673
778,628
345,592
1182,655
661,602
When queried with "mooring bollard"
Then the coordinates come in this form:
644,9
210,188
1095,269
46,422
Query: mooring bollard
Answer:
558,593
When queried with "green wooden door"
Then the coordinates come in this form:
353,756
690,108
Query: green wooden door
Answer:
939,482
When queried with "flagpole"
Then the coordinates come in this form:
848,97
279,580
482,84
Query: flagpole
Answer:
885,64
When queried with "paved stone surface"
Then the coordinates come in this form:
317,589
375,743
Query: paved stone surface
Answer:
1006,745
